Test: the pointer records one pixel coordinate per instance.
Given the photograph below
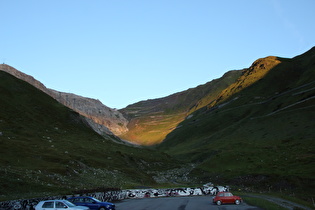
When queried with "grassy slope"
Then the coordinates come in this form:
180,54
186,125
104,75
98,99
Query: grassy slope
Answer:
152,120
47,148
259,131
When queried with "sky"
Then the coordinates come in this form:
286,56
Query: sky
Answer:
124,51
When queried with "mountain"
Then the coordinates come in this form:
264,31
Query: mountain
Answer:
48,149
101,118
258,132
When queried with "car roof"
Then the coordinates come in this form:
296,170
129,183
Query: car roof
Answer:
81,197
52,200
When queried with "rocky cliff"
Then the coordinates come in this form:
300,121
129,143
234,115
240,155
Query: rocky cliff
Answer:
101,118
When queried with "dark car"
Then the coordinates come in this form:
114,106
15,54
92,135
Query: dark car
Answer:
92,203
226,197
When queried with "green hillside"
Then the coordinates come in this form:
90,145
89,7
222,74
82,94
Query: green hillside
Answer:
48,149
259,131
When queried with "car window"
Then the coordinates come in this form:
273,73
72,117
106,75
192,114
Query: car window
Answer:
76,200
68,203
228,194
49,204
221,195
60,205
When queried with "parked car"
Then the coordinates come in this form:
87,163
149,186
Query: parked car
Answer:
58,204
226,197
92,203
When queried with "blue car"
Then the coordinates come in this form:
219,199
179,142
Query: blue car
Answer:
92,203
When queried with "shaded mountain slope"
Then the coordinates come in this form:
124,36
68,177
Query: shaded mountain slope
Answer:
259,131
102,119
46,148
150,121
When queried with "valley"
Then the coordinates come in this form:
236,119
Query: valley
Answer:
251,128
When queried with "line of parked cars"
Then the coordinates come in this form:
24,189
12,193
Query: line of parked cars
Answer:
75,203
87,202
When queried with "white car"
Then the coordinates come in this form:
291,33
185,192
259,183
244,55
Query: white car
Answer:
58,204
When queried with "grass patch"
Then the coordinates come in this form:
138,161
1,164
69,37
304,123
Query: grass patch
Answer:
262,203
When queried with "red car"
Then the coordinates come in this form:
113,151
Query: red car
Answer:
226,197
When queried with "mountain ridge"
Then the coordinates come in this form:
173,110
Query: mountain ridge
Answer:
148,122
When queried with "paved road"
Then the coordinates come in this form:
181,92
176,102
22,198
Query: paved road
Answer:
178,203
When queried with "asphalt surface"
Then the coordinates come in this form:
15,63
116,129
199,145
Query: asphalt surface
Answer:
177,203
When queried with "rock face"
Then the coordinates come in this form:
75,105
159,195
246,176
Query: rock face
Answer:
107,120
100,117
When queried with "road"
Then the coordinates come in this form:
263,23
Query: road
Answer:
178,203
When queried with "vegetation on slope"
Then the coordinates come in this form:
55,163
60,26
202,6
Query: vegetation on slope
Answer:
46,149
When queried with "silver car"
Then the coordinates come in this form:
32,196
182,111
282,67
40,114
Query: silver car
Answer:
58,204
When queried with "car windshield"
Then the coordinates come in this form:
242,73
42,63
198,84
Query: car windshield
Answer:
96,200
69,203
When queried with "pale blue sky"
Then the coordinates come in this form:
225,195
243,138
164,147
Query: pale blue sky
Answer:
124,51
